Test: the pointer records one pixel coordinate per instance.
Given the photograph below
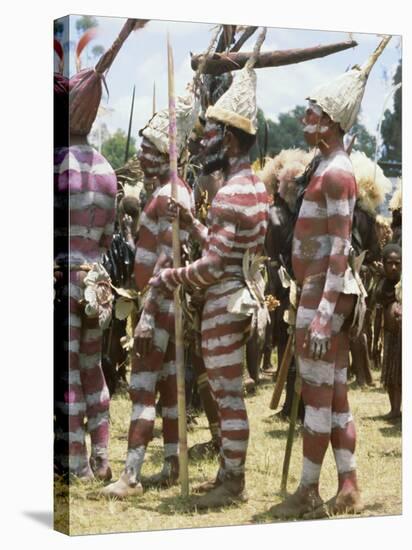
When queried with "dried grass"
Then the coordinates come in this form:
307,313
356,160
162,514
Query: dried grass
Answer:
378,455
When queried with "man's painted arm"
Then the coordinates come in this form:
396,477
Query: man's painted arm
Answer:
340,194
208,269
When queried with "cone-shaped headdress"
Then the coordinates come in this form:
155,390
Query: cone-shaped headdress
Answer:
157,129
86,86
341,99
237,106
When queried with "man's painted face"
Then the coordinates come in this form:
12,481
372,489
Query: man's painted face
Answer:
392,266
314,125
213,152
152,162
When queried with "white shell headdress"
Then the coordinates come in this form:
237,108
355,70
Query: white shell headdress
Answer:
237,107
341,99
157,129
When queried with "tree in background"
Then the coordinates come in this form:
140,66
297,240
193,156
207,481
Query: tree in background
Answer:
284,134
97,51
58,28
86,22
391,129
114,148
364,142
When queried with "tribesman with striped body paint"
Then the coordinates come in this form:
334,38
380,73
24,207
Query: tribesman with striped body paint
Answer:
236,227
85,190
153,357
320,260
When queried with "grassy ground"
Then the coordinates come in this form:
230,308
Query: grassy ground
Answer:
378,456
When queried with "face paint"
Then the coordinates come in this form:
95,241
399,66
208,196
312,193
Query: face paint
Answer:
315,108
315,128
152,162
213,155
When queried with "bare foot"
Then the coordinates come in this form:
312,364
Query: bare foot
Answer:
225,493
122,488
305,500
346,502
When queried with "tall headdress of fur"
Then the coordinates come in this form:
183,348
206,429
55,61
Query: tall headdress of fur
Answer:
86,86
341,98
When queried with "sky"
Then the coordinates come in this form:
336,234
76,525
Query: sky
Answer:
142,61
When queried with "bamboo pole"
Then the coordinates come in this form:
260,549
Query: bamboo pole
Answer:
180,374
233,61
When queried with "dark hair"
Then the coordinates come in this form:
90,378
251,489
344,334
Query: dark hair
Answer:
245,140
391,249
130,206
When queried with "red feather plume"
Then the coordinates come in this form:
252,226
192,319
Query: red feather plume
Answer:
82,43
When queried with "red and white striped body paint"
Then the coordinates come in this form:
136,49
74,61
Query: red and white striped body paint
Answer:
320,251
156,370
237,222
85,180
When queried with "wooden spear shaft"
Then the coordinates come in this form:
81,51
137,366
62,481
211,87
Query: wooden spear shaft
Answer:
222,63
291,433
180,372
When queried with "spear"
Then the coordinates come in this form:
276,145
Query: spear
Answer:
180,374
126,155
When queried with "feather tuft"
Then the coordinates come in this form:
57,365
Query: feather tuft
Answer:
372,189
279,173
87,37
396,200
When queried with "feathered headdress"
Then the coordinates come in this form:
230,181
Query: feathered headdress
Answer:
372,188
396,200
280,172
86,85
341,99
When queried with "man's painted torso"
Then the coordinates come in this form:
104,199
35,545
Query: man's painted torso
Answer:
86,184
324,224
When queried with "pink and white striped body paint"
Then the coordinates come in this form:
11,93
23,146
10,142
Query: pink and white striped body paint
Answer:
85,180
320,251
237,222
157,370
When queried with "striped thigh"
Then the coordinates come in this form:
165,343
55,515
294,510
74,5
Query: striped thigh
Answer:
318,379
223,338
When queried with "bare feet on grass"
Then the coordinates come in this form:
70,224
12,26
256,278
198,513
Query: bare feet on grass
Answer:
122,488
303,501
